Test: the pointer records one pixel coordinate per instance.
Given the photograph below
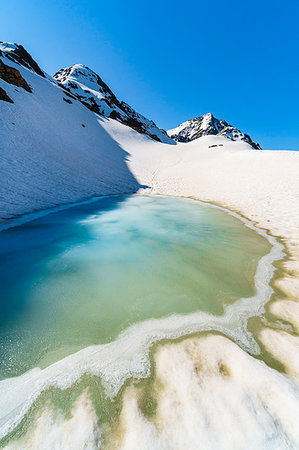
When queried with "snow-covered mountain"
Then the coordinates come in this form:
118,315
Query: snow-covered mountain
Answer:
90,89
205,125
57,146
53,150
16,53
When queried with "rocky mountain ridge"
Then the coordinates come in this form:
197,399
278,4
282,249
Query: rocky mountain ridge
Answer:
90,89
82,84
205,125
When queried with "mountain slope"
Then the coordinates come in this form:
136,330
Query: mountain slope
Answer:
16,53
53,150
90,89
208,125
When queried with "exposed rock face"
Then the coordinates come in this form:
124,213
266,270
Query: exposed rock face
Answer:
208,125
13,76
91,90
4,96
19,55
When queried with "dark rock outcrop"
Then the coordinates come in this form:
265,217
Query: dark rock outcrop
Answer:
4,96
13,76
67,100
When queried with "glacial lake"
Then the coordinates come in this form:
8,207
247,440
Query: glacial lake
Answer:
78,277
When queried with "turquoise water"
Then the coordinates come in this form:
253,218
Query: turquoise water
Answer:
79,277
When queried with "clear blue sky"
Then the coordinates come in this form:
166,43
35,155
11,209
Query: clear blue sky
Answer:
174,60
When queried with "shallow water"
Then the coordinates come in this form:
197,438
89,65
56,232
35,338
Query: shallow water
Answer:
80,277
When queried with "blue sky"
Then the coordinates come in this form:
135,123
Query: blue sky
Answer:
174,60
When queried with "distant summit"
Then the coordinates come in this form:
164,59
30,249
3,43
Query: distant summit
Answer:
208,125
90,89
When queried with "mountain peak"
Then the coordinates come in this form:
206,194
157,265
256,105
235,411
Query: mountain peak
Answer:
205,125
80,75
88,87
17,54
75,70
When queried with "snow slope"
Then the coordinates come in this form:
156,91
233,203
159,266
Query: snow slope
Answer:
53,150
208,125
